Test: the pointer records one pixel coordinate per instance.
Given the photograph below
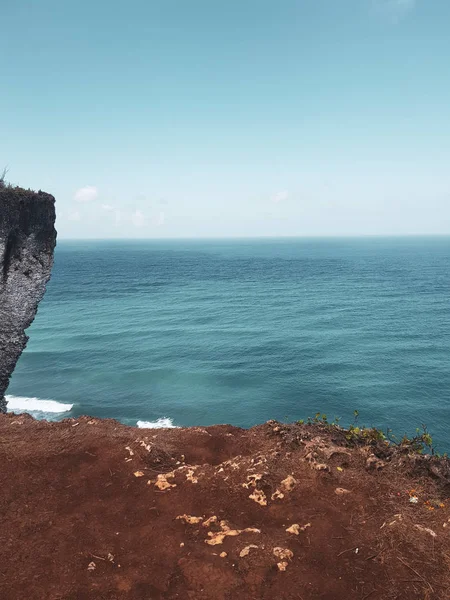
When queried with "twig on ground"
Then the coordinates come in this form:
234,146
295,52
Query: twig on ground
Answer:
375,555
349,550
416,573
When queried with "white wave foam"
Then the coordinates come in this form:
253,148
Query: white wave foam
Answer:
162,423
23,404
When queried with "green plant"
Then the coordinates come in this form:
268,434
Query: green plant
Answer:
360,434
420,442
320,419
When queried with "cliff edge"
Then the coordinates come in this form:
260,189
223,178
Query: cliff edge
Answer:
27,243
93,510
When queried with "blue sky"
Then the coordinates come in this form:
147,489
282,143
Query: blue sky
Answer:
205,118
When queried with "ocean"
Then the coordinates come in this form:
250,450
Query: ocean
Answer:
197,332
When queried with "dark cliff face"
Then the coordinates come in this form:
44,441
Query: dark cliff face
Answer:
27,243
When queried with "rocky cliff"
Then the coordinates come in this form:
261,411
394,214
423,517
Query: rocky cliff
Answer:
27,242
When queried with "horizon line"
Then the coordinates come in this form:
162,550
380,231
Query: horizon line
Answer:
257,237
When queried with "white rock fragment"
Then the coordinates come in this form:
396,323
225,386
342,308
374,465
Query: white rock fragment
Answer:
283,553
288,484
259,497
320,467
190,520
296,528
161,481
218,537
245,551
190,476
277,495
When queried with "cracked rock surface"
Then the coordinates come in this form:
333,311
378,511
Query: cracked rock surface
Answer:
27,243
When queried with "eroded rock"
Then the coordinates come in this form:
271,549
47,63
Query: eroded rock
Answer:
296,528
259,497
27,243
283,553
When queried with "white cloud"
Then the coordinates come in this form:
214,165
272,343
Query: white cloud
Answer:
280,196
394,10
74,216
86,194
138,218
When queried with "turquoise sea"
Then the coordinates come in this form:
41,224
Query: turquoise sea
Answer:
242,331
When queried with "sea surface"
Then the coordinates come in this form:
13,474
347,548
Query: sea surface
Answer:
180,333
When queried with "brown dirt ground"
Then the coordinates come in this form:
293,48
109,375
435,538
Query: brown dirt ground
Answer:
76,523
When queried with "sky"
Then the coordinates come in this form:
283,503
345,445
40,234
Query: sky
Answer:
236,118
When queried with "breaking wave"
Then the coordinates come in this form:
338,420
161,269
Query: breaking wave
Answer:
32,405
164,422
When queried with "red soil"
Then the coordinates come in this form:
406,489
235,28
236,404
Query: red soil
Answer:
80,522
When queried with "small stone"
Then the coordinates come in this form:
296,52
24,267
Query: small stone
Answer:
259,497
188,519
209,521
245,551
320,466
138,474
283,553
282,566
252,480
341,491
277,495
162,483
216,539
223,555
288,484
296,528
92,566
